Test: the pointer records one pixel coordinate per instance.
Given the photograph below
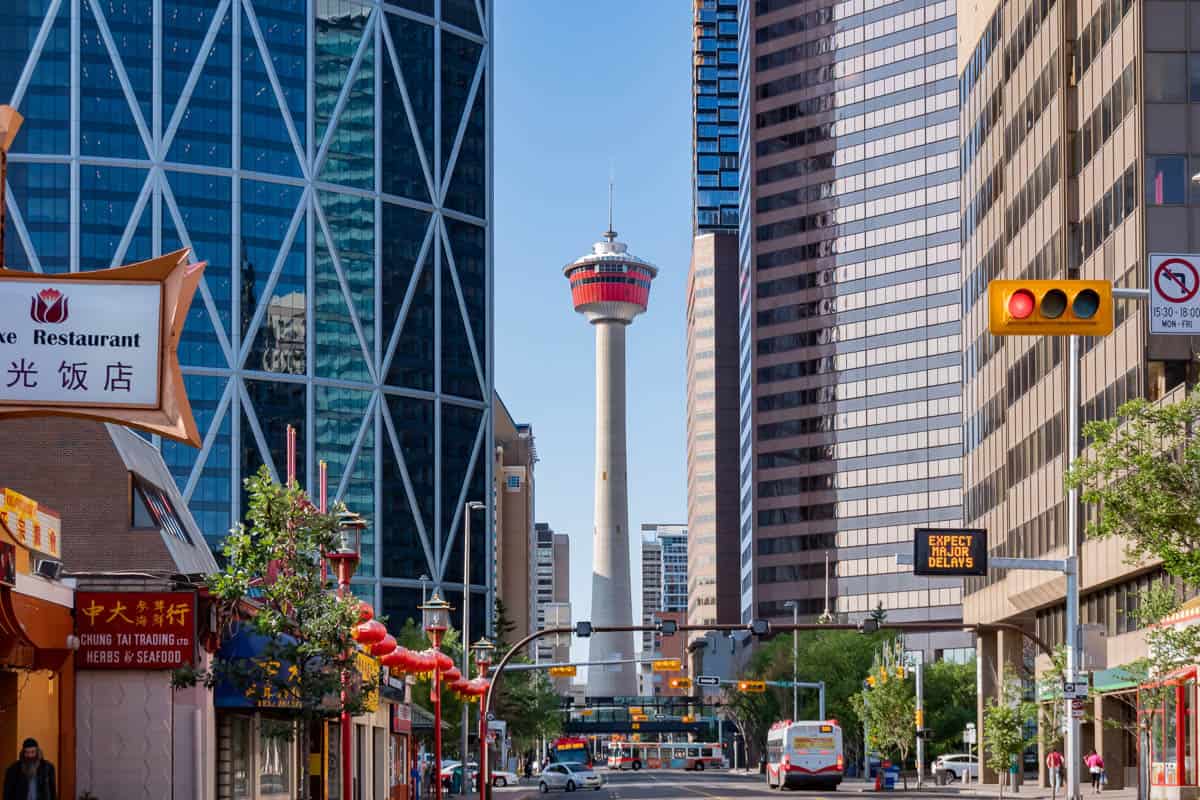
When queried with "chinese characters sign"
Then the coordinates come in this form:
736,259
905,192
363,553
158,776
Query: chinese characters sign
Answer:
38,528
94,343
949,551
135,630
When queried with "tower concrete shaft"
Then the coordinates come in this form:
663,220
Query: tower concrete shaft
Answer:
612,602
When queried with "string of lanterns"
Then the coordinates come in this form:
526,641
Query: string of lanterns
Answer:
371,634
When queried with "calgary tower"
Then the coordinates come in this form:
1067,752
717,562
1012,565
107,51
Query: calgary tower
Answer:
610,287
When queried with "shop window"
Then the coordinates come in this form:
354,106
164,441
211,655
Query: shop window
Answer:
275,758
1166,180
1166,80
240,752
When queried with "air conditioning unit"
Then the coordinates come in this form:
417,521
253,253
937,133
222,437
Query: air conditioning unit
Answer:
49,568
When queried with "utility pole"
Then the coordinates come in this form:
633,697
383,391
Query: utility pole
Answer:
1073,754
472,505
795,606
920,720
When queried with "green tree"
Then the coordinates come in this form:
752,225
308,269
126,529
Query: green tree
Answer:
526,700
949,704
754,713
1004,721
888,705
412,636
1141,474
273,566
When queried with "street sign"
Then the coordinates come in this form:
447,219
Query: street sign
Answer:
1075,690
708,680
1076,709
491,717
969,735
1175,294
949,551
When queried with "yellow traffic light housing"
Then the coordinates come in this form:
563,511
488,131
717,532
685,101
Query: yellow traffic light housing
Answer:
1051,308
667,665
753,687
562,672
900,673
680,683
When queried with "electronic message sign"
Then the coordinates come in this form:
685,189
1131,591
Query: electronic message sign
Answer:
949,551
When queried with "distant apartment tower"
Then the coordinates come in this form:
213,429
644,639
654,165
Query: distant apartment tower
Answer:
515,455
552,585
712,321
664,574
849,304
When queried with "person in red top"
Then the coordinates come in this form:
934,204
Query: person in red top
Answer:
1095,765
1054,763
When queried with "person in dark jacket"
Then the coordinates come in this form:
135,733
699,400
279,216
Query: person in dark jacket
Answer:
31,777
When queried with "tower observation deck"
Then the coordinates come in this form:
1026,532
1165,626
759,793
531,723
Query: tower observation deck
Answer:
611,287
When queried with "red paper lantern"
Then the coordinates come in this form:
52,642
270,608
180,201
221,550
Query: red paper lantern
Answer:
444,662
369,632
452,675
365,612
394,660
384,646
426,661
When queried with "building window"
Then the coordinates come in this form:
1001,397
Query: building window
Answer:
1165,78
1166,180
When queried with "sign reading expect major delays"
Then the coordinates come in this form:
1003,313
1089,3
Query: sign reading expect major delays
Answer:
949,551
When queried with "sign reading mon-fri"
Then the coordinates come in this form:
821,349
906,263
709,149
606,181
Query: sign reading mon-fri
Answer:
1175,294
949,551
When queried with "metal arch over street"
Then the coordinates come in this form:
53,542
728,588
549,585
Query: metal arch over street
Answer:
485,783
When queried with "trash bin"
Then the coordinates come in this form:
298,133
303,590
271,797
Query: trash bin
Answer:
891,775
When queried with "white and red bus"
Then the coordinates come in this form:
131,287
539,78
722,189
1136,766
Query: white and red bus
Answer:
805,755
572,751
697,756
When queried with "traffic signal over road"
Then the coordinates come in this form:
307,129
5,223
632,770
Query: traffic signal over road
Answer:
1052,308
752,687
680,683
562,672
667,665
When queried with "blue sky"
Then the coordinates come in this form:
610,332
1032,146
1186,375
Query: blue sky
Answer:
580,87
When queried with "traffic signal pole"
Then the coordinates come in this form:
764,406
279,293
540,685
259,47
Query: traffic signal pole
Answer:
1073,755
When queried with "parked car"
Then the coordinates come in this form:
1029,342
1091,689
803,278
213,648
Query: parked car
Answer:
504,778
958,765
569,777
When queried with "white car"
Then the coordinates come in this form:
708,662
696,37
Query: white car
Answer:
960,765
569,777
503,778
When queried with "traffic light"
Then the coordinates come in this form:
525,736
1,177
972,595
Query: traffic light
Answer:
680,683
901,673
752,687
562,672
883,674
919,718
667,665
1054,308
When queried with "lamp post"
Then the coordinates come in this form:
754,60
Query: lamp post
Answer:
435,618
10,123
472,505
483,650
424,579
795,607
345,560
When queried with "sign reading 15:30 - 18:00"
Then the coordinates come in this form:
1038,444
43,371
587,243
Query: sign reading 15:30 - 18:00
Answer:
949,551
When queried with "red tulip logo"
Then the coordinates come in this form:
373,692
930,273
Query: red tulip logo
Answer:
48,306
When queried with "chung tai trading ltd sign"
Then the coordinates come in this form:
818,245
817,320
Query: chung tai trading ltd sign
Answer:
99,344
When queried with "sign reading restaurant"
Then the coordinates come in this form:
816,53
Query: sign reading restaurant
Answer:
100,344
949,551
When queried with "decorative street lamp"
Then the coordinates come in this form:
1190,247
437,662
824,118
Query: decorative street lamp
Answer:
345,561
435,619
10,123
483,650
473,505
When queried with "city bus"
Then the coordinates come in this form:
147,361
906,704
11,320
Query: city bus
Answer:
805,755
665,755
571,750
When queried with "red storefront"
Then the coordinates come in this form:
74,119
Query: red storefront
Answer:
1167,740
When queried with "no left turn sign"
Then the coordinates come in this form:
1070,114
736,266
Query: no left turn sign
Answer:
1175,294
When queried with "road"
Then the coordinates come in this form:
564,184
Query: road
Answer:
663,784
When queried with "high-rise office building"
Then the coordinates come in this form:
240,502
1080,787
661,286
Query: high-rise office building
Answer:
1075,165
712,315
849,249
331,162
552,587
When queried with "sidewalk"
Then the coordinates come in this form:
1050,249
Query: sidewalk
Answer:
990,791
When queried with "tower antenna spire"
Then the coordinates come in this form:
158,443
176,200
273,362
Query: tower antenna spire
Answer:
610,234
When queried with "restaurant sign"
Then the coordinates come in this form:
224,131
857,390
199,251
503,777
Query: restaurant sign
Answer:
949,551
135,630
100,344
34,526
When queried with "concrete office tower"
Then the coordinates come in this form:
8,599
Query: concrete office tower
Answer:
610,287
1073,167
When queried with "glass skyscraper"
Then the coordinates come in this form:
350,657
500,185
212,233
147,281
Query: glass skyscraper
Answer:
715,116
331,161
850,354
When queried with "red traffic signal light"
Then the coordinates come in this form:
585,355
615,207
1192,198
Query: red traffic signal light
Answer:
1055,308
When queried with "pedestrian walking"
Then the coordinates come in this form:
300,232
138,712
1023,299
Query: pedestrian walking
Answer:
1095,765
31,777
416,778
1054,764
